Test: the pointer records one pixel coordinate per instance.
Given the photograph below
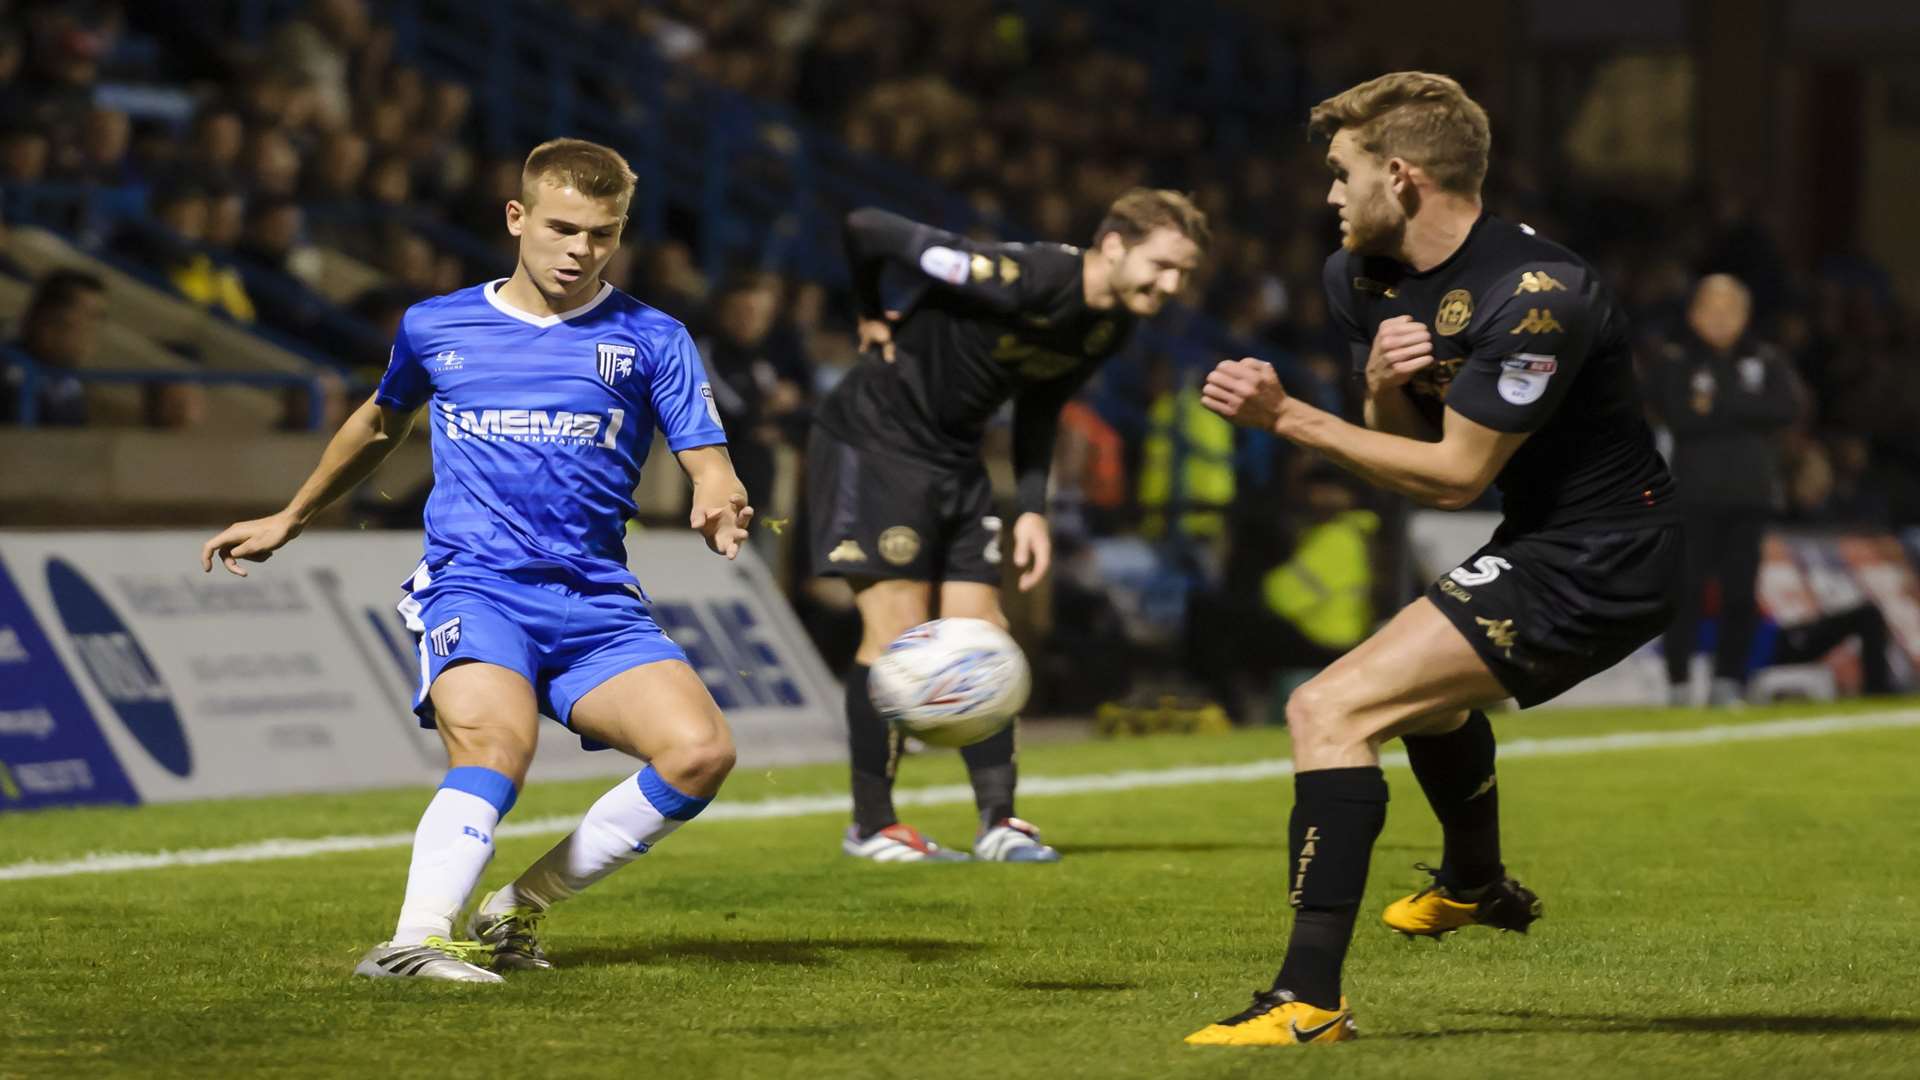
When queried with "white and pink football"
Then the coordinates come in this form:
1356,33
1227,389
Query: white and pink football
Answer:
951,682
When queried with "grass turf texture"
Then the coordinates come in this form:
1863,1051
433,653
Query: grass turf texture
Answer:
1722,910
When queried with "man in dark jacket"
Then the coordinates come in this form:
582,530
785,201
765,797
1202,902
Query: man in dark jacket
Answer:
1726,398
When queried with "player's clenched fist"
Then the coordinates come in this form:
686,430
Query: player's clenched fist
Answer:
1247,392
1400,349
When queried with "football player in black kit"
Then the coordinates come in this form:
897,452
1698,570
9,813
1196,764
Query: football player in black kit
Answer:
898,499
1490,356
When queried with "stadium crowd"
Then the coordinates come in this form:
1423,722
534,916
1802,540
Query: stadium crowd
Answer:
315,183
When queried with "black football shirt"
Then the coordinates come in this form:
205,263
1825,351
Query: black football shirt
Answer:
1526,339
984,323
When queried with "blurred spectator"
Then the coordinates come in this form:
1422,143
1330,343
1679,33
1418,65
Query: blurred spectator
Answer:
389,183
1298,591
103,149
1727,399
272,234
670,281
218,137
24,155
272,164
318,48
339,164
173,406
296,404
1180,431
226,219
58,335
759,379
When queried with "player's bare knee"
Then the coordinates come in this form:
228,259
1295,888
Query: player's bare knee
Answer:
1320,724
698,766
489,745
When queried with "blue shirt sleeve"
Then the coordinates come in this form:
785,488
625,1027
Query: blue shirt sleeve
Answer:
406,385
682,398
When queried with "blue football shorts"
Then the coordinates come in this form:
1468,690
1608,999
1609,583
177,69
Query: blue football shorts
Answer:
562,640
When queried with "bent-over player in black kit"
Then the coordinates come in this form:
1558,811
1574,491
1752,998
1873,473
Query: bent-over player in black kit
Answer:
1491,356
897,497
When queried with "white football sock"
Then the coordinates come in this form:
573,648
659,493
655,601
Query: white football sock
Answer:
638,813
451,847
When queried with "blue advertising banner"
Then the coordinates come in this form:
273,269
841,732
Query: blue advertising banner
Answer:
52,753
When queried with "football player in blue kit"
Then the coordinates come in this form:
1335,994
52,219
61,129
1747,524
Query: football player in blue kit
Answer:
544,390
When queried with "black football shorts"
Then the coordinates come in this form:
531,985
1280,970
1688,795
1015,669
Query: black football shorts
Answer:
875,514
1549,609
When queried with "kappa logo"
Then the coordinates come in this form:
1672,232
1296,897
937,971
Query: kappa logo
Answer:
993,526
1483,788
1376,288
445,637
982,267
615,362
1538,321
1499,631
449,360
1537,281
1009,271
848,551
476,834
1485,569
11,651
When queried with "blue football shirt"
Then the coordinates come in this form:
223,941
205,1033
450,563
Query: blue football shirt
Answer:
541,423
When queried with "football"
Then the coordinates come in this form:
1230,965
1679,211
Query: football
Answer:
951,682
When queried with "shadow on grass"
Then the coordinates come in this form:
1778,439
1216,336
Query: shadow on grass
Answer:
1531,1023
1173,847
763,951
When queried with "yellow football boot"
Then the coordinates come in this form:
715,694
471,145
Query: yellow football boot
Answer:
1434,912
1277,1018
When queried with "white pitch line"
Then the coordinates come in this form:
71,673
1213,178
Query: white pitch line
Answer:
950,794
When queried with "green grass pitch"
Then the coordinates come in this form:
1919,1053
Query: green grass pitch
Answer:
1742,909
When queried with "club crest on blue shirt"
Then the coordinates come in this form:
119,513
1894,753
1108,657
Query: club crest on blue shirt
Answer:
616,362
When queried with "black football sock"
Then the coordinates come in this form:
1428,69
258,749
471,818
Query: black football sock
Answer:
1456,772
1337,815
874,749
991,770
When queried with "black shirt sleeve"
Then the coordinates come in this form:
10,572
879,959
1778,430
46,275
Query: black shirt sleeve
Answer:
1036,423
998,275
1338,284
1531,335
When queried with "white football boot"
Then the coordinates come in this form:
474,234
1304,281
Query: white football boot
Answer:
897,843
436,958
1013,840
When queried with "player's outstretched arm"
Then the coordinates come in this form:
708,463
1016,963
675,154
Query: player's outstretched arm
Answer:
1449,474
992,274
720,509
356,450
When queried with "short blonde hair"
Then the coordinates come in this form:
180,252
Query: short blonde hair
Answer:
1139,211
591,169
1426,119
